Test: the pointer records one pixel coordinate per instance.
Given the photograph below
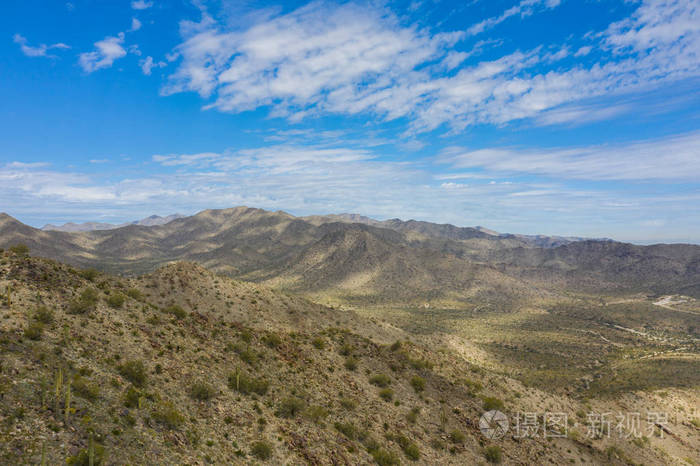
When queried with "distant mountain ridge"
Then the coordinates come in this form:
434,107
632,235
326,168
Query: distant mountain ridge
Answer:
358,259
153,220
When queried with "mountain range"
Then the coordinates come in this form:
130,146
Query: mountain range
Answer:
353,258
153,220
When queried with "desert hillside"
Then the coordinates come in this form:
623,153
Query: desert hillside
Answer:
185,366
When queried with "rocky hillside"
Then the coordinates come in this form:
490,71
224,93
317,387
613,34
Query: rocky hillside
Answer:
182,366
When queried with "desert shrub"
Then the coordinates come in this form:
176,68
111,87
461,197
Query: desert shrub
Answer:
412,415
418,383
88,274
246,335
262,450
420,363
290,407
134,371
83,456
34,330
44,315
272,340
385,458
346,349
386,394
318,343
166,414
133,293
457,436
131,397
86,302
348,403
201,391
493,454
491,403
351,363
116,300
246,384
20,249
83,388
176,311
247,355
473,386
380,380
317,413
411,451
348,429
395,346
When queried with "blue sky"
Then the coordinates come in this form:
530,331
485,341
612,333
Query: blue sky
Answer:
532,116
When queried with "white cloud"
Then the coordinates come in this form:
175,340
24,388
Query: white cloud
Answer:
670,158
329,56
39,51
347,59
141,4
147,64
108,50
522,9
135,25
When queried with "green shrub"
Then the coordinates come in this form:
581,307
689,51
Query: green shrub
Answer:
318,343
457,436
88,274
348,429
351,363
395,346
348,403
346,349
131,397
412,415
290,407
262,450
83,457
85,303
272,340
246,384
418,383
493,454
135,372
380,380
44,315
491,403
385,458
317,413
85,389
20,249
386,394
133,293
34,330
412,451
166,414
176,311
116,300
201,391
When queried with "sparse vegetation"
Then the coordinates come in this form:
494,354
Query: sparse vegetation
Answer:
34,330
380,380
418,383
262,450
493,454
115,300
167,415
290,407
135,372
201,391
